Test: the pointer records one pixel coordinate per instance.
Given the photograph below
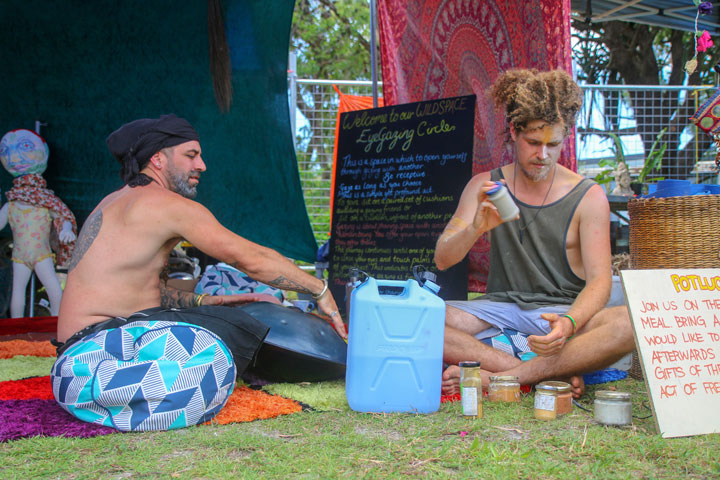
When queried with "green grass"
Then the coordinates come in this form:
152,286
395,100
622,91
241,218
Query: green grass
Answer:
507,443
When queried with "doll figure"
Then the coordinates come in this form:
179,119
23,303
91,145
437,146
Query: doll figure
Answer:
622,180
38,219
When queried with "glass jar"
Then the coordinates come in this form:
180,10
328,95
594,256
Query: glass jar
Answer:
504,388
552,399
613,408
471,389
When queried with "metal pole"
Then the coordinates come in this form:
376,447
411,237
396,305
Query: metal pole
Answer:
373,49
292,74
31,307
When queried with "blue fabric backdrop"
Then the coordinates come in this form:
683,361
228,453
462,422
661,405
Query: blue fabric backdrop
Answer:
85,68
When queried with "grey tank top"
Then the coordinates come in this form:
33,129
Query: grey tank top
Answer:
535,271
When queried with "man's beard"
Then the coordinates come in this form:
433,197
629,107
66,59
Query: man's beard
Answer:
178,183
537,176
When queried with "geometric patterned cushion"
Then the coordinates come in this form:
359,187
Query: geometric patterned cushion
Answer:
145,375
513,343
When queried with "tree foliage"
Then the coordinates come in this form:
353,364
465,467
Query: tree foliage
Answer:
616,53
332,39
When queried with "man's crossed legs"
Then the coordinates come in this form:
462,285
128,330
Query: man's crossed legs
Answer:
603,340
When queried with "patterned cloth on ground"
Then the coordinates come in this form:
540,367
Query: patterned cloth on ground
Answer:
222,279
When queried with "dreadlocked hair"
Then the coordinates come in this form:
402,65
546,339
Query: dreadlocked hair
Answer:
528,95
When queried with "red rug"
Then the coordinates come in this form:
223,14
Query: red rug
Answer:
18,326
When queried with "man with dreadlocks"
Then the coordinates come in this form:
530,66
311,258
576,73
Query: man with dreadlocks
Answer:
550,270
132,353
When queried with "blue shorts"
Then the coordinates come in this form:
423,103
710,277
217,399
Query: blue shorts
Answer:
504,315
507,315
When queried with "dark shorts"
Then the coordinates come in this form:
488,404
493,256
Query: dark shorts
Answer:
241,332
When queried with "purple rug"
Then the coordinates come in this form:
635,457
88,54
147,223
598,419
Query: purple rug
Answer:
30,418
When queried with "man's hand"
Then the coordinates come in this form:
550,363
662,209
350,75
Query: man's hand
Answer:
486,215
554,341
327,305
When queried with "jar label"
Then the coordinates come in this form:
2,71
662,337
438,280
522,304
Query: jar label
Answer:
545,402
469,401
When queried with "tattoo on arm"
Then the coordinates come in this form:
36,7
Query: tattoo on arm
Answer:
285,284
174,298
88,234
282,283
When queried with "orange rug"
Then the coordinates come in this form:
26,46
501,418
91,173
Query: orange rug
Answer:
11,348
246,405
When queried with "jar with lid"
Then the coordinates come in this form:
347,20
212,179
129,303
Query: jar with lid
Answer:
504,388
500,197
613,408
471,389
552,398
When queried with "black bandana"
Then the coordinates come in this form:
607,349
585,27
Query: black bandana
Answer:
134,143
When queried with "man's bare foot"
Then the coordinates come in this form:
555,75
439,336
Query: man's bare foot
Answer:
451,380
577,386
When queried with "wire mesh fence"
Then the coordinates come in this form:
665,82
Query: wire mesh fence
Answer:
632,123
639,124
316,115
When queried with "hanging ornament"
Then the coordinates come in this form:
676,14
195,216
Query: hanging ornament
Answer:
704,41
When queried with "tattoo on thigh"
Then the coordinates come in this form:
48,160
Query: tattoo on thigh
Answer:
285,284
87,236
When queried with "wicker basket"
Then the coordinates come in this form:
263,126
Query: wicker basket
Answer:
673,232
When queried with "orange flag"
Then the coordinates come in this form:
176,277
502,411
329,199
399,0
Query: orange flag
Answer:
348,103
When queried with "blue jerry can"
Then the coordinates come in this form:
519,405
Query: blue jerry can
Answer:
395,347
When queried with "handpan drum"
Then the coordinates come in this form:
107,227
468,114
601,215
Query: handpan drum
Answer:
299,347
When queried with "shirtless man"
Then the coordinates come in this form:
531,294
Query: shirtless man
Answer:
550,269
114,294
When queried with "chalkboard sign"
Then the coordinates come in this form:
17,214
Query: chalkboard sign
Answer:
398,179
676,320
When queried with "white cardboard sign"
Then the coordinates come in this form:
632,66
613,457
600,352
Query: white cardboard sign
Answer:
676,319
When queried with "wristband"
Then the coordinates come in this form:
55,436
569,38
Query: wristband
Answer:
573,322
322,292
199,299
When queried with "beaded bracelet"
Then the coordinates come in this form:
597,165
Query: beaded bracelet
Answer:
199,299
573,322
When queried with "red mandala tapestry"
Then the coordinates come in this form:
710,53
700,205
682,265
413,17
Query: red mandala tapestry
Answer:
435,49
